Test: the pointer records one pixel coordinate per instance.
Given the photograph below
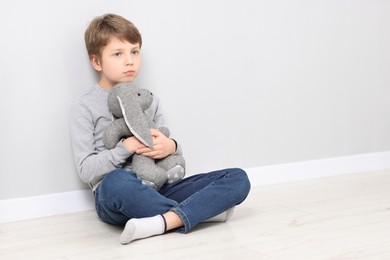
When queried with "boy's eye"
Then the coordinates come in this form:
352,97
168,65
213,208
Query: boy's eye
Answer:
117,54
135,52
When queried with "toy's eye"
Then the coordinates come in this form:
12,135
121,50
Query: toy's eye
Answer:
151,94
139,94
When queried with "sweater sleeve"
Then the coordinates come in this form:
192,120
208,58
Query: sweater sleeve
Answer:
91,163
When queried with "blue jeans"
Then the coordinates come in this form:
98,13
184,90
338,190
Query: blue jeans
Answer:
122,196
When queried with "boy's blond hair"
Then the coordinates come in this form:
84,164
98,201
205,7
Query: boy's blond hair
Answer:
103,28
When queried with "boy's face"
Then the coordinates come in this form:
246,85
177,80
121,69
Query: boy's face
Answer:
120,62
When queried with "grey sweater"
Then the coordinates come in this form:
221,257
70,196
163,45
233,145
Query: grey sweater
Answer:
89,118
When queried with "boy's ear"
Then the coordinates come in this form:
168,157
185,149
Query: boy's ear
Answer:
96,64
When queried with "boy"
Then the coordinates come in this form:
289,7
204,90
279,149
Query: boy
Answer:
114,44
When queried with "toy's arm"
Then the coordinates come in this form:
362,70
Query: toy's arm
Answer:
115,132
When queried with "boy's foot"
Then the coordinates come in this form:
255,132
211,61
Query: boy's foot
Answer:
138,228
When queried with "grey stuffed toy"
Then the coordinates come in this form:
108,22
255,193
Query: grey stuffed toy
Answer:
128,104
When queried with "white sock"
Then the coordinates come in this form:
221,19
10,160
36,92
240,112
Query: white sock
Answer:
224,216
137,228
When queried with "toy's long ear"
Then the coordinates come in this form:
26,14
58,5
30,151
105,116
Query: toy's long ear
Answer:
136,120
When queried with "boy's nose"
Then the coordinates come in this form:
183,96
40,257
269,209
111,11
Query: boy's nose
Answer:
129,59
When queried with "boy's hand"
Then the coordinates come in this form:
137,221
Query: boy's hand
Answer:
131,144
162,146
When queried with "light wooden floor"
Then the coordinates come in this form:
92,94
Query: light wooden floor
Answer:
343,217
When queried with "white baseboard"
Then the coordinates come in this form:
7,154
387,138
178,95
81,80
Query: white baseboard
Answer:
314,169
45,205
82,200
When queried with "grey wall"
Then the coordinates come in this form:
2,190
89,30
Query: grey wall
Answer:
243,83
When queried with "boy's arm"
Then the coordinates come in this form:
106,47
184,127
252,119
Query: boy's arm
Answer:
92,164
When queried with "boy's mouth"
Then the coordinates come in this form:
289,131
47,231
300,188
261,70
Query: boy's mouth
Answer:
129,72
